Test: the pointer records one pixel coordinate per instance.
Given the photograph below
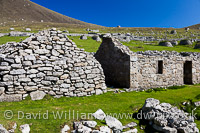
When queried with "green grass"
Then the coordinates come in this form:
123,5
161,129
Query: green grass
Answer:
110,102
198,97
89,45
5,39
141,46
92,46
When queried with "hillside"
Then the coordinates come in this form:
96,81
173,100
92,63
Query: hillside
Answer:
196,26
25,11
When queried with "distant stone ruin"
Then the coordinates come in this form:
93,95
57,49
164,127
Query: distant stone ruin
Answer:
18,33
48,63
145,70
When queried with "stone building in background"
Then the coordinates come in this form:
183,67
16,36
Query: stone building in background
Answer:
145,70
48,63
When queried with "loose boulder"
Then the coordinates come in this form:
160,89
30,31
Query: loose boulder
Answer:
130,125
173,32
84,129
12,29
10,98
90,124
165,129
65,129
197,46
96,38
4,34
185,42
187,29
105,129
174,43
25,128
99,115
125,39
132,131
28,29
2,129
83,37
197,104
113,123
37,95
167,44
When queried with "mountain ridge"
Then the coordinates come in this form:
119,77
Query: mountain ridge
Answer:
196,26
26,11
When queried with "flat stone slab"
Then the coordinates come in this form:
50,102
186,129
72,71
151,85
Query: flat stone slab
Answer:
37,95
99,115
10,98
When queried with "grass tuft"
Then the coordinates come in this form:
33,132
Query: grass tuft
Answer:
5,39
198,97
176,87
155,90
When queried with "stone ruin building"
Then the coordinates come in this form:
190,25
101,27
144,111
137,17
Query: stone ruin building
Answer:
48,63
145,70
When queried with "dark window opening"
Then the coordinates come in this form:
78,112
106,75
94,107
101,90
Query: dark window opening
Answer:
188,72
6,88
160,67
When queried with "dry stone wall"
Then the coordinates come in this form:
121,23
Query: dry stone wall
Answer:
51,63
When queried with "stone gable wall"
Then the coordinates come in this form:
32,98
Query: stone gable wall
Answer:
48,62
115,60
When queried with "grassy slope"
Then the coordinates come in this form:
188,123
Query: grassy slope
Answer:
140,46
92,46
196,26
6,39
109,102
89,45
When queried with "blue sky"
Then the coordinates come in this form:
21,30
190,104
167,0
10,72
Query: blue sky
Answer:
129,13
